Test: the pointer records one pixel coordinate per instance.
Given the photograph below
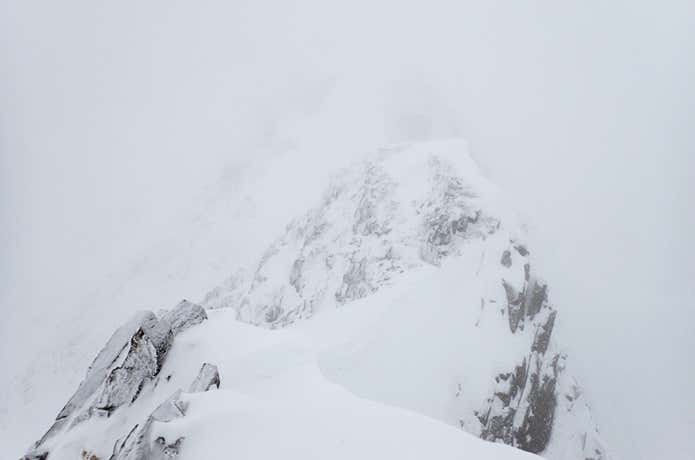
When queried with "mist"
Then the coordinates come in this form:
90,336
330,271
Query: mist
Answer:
117,119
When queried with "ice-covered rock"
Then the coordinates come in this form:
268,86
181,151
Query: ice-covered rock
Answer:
184,315
130,361
138,443
207,377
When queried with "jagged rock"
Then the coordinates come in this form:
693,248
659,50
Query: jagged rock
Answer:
542,338
207,377
506,259
143,327
131,358
106,358
138,445
515,308
148,349
185,315
536,297
522,408
125,382
534,433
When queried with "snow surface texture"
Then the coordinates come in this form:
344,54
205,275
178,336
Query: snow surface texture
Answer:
445,319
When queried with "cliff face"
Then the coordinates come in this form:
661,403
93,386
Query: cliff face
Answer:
410,283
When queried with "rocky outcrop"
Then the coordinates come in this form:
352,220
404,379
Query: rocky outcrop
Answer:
141,444
130,361
524,403
208,376
184,315
142,364
138,443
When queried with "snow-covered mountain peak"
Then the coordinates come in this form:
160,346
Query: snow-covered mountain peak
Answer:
384,224
408,283
401,208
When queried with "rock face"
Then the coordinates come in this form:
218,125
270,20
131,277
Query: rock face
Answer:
130,362
403,209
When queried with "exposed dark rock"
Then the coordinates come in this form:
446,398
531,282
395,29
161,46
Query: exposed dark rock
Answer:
542,339
536,298
521,413
138,445
514,306
506,259
521,249
534,433
207,377
522,407
148,349
124,383
106,358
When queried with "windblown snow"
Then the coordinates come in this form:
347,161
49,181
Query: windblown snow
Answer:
399,317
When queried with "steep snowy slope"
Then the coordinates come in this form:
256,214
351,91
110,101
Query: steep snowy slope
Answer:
408,284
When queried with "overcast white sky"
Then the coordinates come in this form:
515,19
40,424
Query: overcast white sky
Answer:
114,116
